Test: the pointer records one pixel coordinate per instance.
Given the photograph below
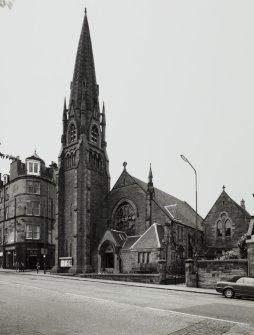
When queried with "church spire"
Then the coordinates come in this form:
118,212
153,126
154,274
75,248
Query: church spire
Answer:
84,77
103,125
149,199
63,140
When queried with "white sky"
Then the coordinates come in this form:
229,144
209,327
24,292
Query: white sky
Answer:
176,78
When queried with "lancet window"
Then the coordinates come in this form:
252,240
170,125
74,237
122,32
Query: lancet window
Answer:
72,133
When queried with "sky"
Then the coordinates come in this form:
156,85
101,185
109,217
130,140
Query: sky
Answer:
176,77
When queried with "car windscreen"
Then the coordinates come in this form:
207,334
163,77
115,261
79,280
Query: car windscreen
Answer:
234,279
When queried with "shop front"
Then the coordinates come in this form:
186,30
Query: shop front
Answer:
27,255
10,257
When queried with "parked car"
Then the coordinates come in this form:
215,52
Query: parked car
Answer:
237,286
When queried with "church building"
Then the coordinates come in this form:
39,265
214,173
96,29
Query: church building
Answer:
133,226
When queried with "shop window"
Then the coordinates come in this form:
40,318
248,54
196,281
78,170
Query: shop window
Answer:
33,187
33,208
32,232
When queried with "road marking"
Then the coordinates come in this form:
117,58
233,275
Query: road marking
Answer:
88,297
198,316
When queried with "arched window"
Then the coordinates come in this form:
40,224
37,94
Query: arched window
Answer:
228,228
72,158
219,229
67,161
124,216
94,134
72,133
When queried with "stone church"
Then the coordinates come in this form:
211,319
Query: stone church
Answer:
128,229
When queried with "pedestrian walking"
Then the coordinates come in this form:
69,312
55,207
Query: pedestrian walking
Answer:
37,267
22,265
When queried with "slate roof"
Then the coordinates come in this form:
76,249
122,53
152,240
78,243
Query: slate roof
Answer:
36,157
180,210
130,241
152,238
119,236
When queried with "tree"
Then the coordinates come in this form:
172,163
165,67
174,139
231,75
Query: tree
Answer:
8,3
242,245
228,255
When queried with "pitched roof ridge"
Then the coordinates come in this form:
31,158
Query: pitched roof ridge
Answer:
157,235
153,225
118,231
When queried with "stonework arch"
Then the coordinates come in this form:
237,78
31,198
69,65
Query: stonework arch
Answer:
72,132
124,215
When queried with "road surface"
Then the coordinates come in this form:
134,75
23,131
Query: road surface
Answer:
44,305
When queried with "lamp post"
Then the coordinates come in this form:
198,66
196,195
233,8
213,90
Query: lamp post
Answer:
196,221
44,240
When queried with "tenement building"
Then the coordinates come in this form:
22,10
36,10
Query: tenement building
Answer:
128,229
27,214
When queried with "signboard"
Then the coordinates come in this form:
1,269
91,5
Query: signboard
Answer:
65,262
10,248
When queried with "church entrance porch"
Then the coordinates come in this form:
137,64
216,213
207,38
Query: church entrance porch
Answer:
108,259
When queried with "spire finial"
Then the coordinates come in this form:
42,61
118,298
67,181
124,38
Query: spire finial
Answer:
150,174
85,11
124,165
223,187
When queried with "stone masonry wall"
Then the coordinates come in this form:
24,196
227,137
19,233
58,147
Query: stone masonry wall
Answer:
209,272
238,217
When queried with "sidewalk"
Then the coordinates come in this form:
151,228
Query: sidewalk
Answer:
179,287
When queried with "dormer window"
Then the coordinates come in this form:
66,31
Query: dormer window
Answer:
94,135
33,167
72,133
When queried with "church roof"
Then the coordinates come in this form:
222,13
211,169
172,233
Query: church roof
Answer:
175,208
224,196
84,86
119,236
130,241
152,238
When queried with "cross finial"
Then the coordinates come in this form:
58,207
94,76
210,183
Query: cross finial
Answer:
124,165
223,187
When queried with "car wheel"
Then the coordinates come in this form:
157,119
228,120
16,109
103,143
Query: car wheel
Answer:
229,293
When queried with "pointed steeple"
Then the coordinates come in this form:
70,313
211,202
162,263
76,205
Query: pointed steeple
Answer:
63,139
64,110
149,199
103,125
84,78
150,177
150,188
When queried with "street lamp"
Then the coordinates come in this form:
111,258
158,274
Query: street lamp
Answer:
196,226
